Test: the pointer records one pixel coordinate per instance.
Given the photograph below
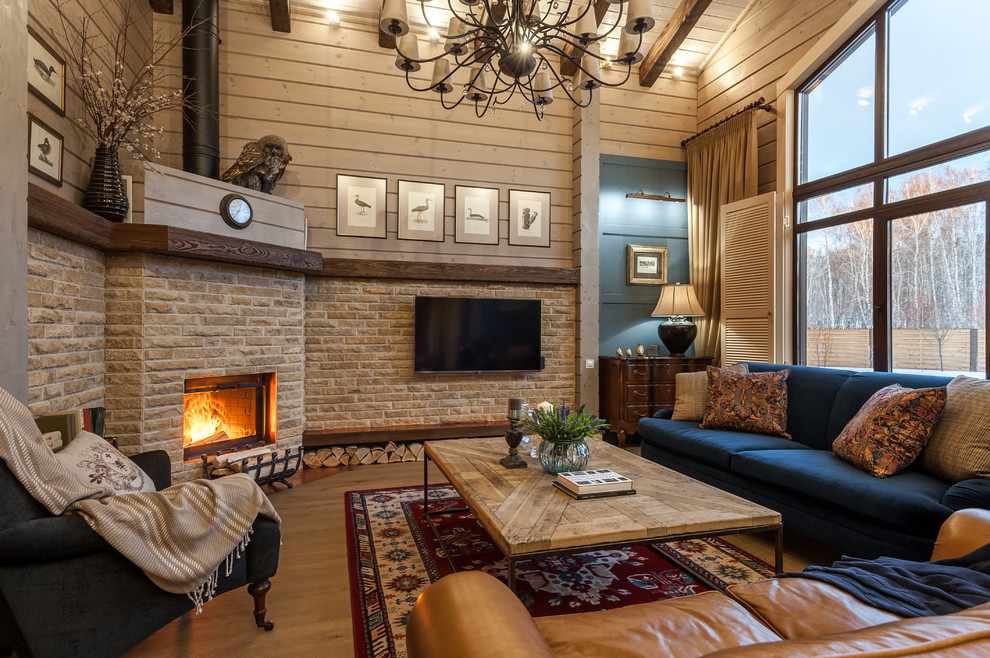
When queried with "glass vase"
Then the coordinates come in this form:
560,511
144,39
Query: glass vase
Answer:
562,456
105,194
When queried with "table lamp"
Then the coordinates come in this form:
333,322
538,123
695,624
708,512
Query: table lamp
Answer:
677,303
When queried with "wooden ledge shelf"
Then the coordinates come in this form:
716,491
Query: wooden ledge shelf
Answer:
400,269
404,433
51,213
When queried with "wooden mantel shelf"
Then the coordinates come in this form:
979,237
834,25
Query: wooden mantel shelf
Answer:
51,213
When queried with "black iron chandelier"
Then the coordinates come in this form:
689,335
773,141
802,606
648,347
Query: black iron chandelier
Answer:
509,46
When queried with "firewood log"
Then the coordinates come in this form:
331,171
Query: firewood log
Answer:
312,460
363,455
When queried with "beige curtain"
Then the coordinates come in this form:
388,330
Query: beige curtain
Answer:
721,168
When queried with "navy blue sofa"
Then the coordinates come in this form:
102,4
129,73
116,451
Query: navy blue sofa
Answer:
818,494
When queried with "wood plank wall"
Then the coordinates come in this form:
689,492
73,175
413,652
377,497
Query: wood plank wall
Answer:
649,122
339,101
78,145
769,37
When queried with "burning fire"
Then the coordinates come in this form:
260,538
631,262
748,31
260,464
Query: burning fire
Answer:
205,415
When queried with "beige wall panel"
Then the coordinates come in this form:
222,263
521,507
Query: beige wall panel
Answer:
649,122
337,99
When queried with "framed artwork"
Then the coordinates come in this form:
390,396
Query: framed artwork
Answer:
44,151
475,215
361,206
45,73
421,207
646,265
529,218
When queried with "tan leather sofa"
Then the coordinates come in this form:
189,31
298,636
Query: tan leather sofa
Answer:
471,614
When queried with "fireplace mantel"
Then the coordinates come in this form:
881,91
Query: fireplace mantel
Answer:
51,213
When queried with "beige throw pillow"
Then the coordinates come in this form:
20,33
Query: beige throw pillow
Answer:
691,392
960,446
96,463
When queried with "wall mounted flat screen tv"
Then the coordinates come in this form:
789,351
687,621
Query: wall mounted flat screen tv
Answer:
466,334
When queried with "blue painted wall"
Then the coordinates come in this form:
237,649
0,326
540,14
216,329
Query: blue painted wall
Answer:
625,310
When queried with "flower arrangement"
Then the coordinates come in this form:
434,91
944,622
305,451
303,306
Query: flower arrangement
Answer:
560,424
119,103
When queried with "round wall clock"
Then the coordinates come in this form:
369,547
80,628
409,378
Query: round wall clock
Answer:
236,211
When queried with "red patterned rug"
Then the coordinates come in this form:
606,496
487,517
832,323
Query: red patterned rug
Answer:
393,555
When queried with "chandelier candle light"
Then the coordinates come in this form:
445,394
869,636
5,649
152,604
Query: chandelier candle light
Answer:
677,302
505,46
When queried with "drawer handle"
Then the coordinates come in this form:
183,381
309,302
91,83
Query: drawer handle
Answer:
640,373
639,413
638,393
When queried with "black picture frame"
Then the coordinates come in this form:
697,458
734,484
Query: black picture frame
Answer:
45,72
45,150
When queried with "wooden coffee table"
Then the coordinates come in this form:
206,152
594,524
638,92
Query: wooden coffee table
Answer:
529,518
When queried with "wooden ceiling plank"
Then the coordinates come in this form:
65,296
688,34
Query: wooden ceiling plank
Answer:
161,6
670,40
280,15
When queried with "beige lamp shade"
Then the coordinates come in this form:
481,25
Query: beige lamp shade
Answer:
590,73
477,85
407,51
640,16
677,300
629,47
440,82
587,24
394,18
541,88
458,36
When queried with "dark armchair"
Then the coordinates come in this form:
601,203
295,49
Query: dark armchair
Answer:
64,591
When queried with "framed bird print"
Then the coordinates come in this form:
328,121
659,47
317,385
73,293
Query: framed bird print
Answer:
529,218
46,73
44,151
361,206
475,215
421,208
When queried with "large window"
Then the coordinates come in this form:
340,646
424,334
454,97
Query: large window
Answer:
893,173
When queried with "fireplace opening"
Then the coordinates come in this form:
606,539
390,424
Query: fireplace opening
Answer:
228,414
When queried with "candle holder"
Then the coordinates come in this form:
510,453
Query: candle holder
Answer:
513,437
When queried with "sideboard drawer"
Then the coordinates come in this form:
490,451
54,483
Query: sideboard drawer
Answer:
633,413
663,395
638,393
637,372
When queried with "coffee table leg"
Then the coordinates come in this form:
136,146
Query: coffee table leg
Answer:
778,549
426,480
512,574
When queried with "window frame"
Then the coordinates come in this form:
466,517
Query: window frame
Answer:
882,212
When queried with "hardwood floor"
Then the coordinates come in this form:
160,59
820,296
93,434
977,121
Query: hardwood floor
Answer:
309,600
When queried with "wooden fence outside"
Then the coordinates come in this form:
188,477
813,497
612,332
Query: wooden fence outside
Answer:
913,349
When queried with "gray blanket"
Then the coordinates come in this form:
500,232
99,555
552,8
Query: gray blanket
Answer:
908,588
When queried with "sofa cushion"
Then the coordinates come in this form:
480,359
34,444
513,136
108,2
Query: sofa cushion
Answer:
911,499
802,607
683,626
968,494
747,403
714,447
891,429
810,392
960,447
95,463
858,388
959,635
691,392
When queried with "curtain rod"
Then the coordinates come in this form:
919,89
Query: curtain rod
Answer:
760,104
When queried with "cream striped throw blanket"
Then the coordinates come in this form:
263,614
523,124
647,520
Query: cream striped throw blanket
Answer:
179,536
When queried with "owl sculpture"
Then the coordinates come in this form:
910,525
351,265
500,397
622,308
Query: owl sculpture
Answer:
260,165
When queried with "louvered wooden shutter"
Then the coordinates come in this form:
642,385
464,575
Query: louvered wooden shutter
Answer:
746,230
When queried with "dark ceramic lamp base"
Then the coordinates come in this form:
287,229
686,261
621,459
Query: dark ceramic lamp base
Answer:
677,336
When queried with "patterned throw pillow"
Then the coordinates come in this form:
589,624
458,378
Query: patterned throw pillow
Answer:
691,392
755,403
96,463
891,429
960,446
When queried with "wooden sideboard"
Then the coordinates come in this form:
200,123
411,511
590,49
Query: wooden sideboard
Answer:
638,387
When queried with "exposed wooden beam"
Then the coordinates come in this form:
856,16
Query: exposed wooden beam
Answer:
568,67
280,15
679,26
161,6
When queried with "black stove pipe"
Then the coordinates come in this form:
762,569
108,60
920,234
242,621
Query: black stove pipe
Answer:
201,80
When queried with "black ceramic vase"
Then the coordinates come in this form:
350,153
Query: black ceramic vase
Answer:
105,193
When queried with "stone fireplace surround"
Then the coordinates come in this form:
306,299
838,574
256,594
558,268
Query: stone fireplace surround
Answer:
124,329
